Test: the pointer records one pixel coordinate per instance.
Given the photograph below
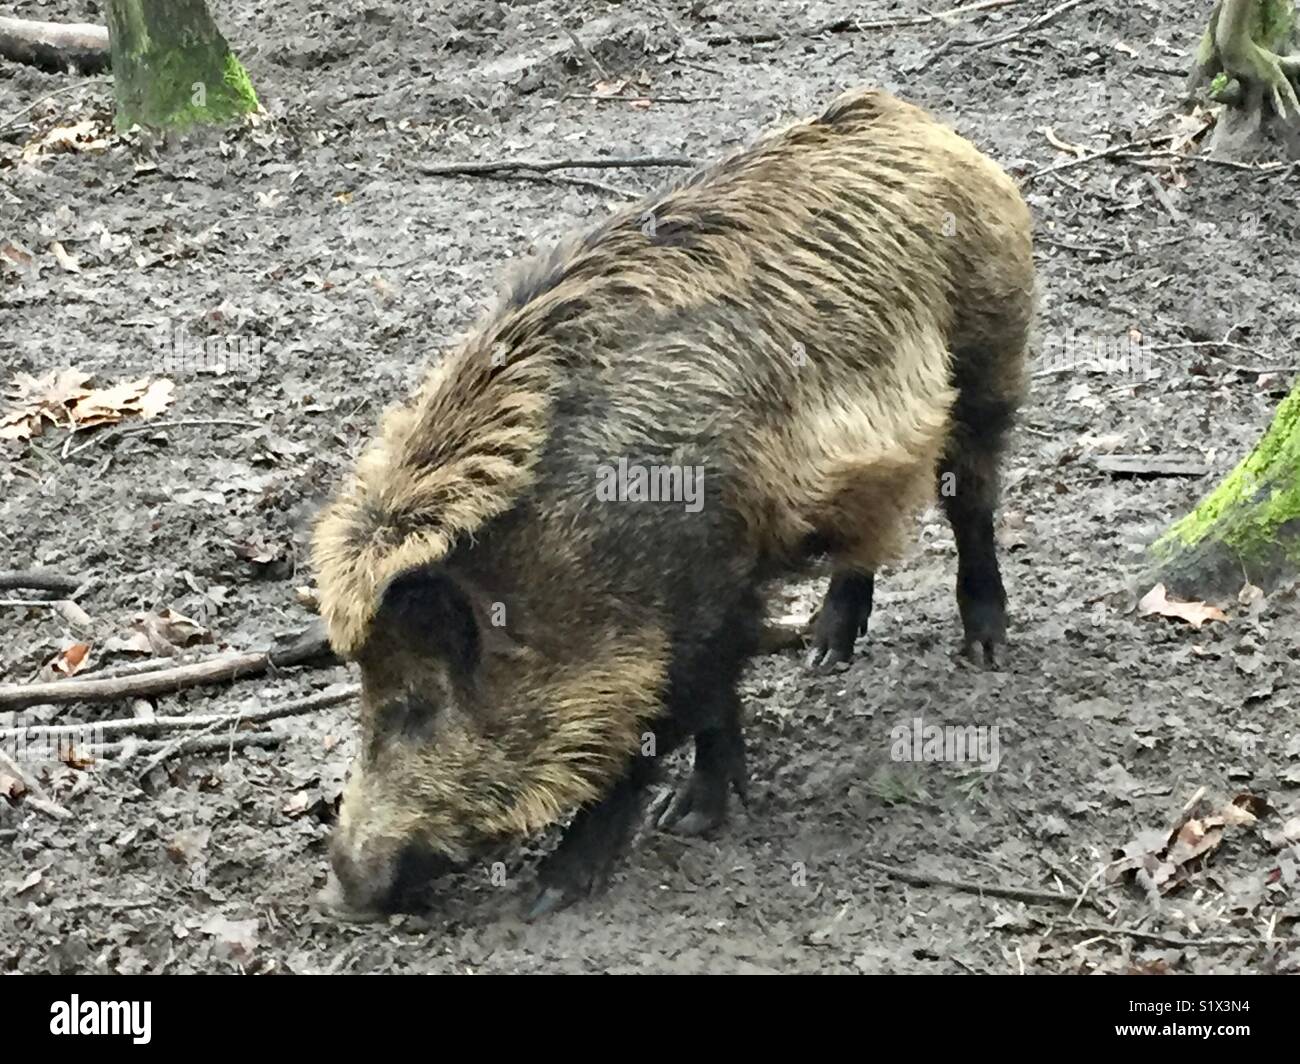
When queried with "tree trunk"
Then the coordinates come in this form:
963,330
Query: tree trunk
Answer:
1246,59
171,66
1246,529
54,46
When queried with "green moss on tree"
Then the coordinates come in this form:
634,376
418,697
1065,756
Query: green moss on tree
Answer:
172,68
1248,526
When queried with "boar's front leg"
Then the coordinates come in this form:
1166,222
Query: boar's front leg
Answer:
593,842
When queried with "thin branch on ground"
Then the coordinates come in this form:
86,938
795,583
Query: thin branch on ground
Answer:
546,166
45,733
640,99
198,744
36,796
38,580
991,890
150,426
591,58
48,96
311,648
1174,940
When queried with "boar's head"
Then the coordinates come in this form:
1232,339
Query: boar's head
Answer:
474,733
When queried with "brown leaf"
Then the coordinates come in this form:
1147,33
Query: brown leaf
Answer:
11,787
16,253
167,630
71,660
1194,613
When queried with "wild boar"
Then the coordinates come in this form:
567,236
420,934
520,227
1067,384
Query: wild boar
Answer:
549,563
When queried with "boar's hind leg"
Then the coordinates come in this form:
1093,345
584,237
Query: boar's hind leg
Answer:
968,486
701,805
842,618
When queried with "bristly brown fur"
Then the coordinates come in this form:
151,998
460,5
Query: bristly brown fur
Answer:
789,320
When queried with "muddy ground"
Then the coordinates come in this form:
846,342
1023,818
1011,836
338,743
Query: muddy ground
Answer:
314,235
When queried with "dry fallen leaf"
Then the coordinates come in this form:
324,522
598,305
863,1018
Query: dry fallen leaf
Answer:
63,398
238,937
1194,613
71,660
1164,857
16,253
11,787
167,630
1061,145
65,260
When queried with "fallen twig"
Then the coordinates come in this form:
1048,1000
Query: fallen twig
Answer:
13,118
994,891
149,426
38,580
36,796
198,744
1175,940
978,10
545,166
225,668
640,99
1035,23
44,733
577,43
566,179
1083,160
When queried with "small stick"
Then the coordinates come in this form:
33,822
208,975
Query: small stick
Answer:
15,603
198,744
1174,940
577,43
37,798
565,179
49,95
222,669
38,580
130,668
149,426
1033,24
994,891
544,166
639,99
1106,153
37,733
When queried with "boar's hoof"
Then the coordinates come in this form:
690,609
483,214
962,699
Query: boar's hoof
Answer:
549,900
833,636
701,806
986,628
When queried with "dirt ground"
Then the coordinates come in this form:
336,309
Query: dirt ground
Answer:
314,236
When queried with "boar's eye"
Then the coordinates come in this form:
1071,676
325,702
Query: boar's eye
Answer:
430,615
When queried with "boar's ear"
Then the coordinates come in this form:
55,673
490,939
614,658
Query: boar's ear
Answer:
427,612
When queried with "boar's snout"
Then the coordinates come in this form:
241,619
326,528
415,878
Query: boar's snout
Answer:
364,885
